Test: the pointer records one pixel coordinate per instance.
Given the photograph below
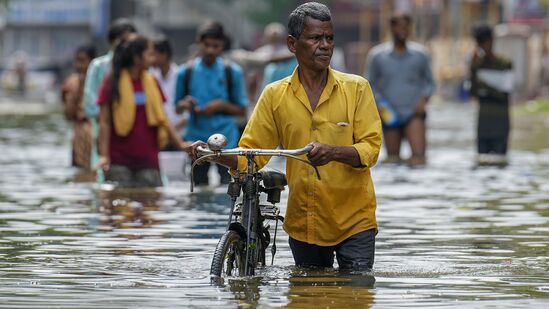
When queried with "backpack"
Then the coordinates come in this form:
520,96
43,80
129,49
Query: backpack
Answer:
228,76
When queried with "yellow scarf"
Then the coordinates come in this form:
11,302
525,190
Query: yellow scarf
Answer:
124,108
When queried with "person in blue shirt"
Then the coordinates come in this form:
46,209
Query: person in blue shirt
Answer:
214,92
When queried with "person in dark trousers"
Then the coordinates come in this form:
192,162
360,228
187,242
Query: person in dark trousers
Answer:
401,76
213,90
335,113
491,83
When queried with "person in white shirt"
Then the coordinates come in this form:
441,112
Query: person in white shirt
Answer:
165,72
172,163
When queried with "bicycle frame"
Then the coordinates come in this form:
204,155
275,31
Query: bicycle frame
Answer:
250,225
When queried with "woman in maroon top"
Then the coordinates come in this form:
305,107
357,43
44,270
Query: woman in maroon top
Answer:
130,158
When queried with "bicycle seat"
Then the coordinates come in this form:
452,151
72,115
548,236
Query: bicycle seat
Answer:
273,179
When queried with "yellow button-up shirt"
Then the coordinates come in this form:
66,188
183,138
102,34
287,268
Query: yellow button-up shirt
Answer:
323,212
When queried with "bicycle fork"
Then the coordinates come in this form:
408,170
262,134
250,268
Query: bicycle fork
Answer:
250,217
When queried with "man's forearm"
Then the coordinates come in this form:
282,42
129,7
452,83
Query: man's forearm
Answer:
104,140
104,131
348,155
233,109
227,161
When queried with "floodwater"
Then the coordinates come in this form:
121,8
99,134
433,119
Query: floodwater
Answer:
450,235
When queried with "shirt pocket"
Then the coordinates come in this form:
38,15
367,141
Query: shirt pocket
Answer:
339,134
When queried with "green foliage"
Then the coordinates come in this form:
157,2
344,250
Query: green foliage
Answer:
537,106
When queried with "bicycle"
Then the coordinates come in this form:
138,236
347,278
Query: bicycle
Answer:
242,248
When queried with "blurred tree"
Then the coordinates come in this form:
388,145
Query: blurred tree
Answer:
270,12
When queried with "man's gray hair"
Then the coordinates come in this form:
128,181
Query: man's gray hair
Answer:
297,19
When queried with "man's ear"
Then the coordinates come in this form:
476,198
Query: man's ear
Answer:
291,42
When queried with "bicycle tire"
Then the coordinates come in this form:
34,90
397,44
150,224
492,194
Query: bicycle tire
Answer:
229,256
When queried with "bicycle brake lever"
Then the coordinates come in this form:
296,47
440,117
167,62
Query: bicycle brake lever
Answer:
203,158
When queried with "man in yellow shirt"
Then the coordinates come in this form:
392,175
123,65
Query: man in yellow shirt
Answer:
336,113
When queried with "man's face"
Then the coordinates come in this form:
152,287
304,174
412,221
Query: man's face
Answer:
210,49
81,62
401,30
314,47
161,59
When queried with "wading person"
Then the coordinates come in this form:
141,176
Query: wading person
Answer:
165,71
491,83
401,77
335,113
214,92
133,123
73,107
99,67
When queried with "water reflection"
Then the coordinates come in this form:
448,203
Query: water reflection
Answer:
325,290
305,288
127,208
450,235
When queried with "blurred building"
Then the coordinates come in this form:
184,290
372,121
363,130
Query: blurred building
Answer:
47,31
445,26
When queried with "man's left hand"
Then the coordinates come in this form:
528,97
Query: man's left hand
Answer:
321,154
212,107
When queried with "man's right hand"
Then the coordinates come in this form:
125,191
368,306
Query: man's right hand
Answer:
194,154
187,103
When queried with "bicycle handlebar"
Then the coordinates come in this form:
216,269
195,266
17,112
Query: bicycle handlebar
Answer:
207,153
254,152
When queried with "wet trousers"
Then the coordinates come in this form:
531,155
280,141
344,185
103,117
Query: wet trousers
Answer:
355,253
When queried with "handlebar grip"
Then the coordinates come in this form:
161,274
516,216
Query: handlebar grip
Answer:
203,151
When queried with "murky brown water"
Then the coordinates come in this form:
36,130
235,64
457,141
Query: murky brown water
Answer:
450,235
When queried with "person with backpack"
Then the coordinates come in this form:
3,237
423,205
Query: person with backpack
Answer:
213,90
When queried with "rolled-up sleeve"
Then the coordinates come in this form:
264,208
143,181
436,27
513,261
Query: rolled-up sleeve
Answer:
367,127
261,131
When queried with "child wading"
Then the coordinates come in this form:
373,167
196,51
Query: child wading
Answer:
133,123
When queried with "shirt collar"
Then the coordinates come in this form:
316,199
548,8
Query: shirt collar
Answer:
295,83
218,62
300,93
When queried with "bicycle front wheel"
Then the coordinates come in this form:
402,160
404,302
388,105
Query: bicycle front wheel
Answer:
229,257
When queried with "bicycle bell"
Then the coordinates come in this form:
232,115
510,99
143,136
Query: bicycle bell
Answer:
217,142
